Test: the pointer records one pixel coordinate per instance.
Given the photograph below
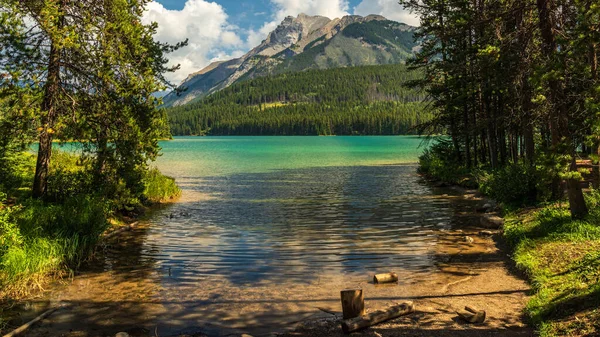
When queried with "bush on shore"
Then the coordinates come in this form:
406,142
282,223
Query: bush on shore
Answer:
515,184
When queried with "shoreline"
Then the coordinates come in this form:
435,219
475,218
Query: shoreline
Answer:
452,254
435,313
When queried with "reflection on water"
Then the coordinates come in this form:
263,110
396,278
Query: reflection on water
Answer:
295,225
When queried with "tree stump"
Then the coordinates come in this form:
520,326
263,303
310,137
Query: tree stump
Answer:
385,278
377,317
353,303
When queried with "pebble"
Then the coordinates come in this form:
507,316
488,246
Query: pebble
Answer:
469,239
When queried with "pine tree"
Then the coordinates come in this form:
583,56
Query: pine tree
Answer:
93,66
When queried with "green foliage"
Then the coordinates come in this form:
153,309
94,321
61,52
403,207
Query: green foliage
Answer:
439,161
514,184
44,238
92,82
349,101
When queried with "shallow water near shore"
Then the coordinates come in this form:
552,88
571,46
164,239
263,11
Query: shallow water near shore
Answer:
267,232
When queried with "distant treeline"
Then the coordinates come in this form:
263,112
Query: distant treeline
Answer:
368,100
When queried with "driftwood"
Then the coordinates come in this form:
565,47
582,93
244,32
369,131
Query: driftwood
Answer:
353,303
472,315
120,230
385,278
370,319
29,324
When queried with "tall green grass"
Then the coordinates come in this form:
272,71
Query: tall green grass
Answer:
158,187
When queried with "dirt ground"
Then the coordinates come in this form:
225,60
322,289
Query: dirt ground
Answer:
472,269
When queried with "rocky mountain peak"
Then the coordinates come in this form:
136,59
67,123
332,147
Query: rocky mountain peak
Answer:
305,42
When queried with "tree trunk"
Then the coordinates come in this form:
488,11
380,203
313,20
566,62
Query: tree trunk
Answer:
558,113
49,109
576,200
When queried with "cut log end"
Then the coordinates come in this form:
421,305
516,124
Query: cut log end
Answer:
353,303
385,278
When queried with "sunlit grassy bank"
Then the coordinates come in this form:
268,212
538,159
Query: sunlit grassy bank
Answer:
559,255
44,239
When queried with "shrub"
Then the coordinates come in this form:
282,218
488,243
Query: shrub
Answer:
68,178
439,161
514,184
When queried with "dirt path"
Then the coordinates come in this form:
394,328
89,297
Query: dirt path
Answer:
126,296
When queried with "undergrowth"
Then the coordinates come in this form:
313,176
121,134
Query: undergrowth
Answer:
39,239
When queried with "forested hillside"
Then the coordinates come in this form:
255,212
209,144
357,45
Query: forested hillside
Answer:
345,101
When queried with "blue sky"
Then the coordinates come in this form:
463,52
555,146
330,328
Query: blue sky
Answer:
246,14
223,29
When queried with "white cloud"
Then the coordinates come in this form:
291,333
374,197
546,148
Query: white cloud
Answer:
330,8
391,9
205,25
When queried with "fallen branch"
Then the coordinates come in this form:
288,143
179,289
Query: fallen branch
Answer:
29,324
370,319
120,230
472,315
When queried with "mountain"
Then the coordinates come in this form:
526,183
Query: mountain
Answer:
365,100
307,42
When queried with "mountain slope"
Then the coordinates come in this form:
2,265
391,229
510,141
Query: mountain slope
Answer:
366,100
307,42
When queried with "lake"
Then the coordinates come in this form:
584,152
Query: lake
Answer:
260,209
266,233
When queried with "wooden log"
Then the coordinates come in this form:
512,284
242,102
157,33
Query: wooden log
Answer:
472,315
29,324
365,321
385,278
353,303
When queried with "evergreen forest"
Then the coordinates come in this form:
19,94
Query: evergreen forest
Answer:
368,100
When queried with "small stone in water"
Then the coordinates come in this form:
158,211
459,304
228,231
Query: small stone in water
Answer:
122,334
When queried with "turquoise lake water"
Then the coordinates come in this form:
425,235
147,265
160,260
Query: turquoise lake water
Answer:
218,156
